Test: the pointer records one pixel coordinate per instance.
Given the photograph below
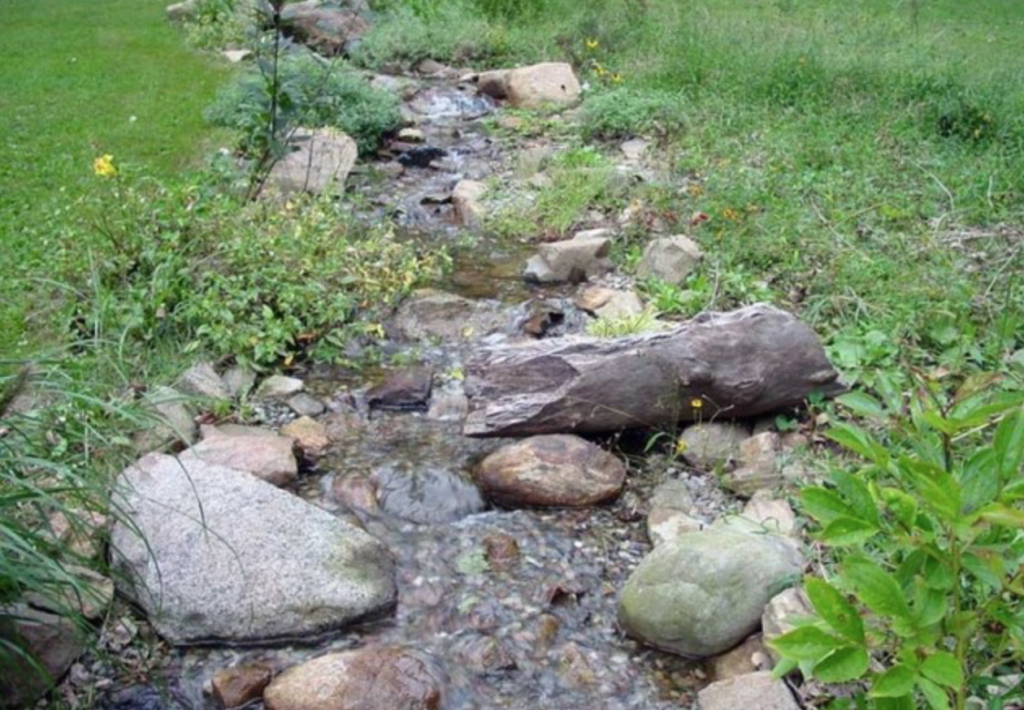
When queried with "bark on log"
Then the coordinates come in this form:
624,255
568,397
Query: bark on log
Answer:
739,364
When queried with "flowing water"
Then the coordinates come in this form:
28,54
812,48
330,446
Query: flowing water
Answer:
517,607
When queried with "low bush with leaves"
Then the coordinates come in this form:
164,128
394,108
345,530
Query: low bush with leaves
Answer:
313,93
629,112
923,605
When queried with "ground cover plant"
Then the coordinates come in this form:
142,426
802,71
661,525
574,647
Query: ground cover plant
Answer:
861,164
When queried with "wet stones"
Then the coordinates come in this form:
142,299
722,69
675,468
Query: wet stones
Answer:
501,551
426,495
670,259
420,156
573,260
703,593
753,691
262,453
216,555
237,687
279,387
403,390
320,161
557,470
310,436
367,679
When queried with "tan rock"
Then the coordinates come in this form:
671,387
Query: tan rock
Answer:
749,657
664,524
269,457
712,445
782,613
366,679
758,466
754,691
237,687
670,259
309,435
540,85
773,514
467,197
554,470
320,161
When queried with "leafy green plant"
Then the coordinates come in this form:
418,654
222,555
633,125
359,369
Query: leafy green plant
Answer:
313,93
219,24
626,112
924,599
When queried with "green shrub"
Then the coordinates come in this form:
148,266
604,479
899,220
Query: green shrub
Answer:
628,112
923,606
203,272
314,93
219,24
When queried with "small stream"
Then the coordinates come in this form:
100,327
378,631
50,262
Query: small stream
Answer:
516,607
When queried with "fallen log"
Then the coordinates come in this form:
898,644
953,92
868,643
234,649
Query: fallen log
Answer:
717,366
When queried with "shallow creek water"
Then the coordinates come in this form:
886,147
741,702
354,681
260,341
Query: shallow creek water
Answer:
516,607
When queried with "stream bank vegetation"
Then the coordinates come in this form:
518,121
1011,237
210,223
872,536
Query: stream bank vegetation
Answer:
859,164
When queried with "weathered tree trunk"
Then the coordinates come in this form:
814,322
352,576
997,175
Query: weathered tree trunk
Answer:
739,364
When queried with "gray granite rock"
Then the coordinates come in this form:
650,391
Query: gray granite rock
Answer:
216,555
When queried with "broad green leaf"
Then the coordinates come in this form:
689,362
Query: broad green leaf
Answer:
988,568
807,643
936,487
894,683
980,480
1009,446
902,504
824,505
859,442
857,494
999,514
834,609
943,668
937,698
930,605
979,411
842,665
862,404
784,667
905,702
875,587
847,531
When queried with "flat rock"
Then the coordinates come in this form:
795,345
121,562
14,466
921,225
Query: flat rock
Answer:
238,686
202,380
430,495
467,198
174,420
634,149
216,555
701,594
51,640
239,379
319,161
754,691
573,260
406,389
713,445
775,515
750,656
279,387
671,259
554,470
758,465
365,679
309,435
433,315
236,56
610,304
306,405
269,457
782,613
540,85
182,11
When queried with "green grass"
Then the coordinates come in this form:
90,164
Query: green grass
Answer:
83,79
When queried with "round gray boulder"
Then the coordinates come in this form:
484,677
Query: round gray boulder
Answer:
703,593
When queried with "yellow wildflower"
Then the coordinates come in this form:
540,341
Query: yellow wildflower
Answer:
104,166
697,403
617,78
592,44
680,446
730,214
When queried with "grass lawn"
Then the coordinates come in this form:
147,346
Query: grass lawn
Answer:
83,78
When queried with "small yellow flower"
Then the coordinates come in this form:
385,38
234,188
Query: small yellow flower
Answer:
680,446
697,403
592,44
104,166
617,78
730,214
